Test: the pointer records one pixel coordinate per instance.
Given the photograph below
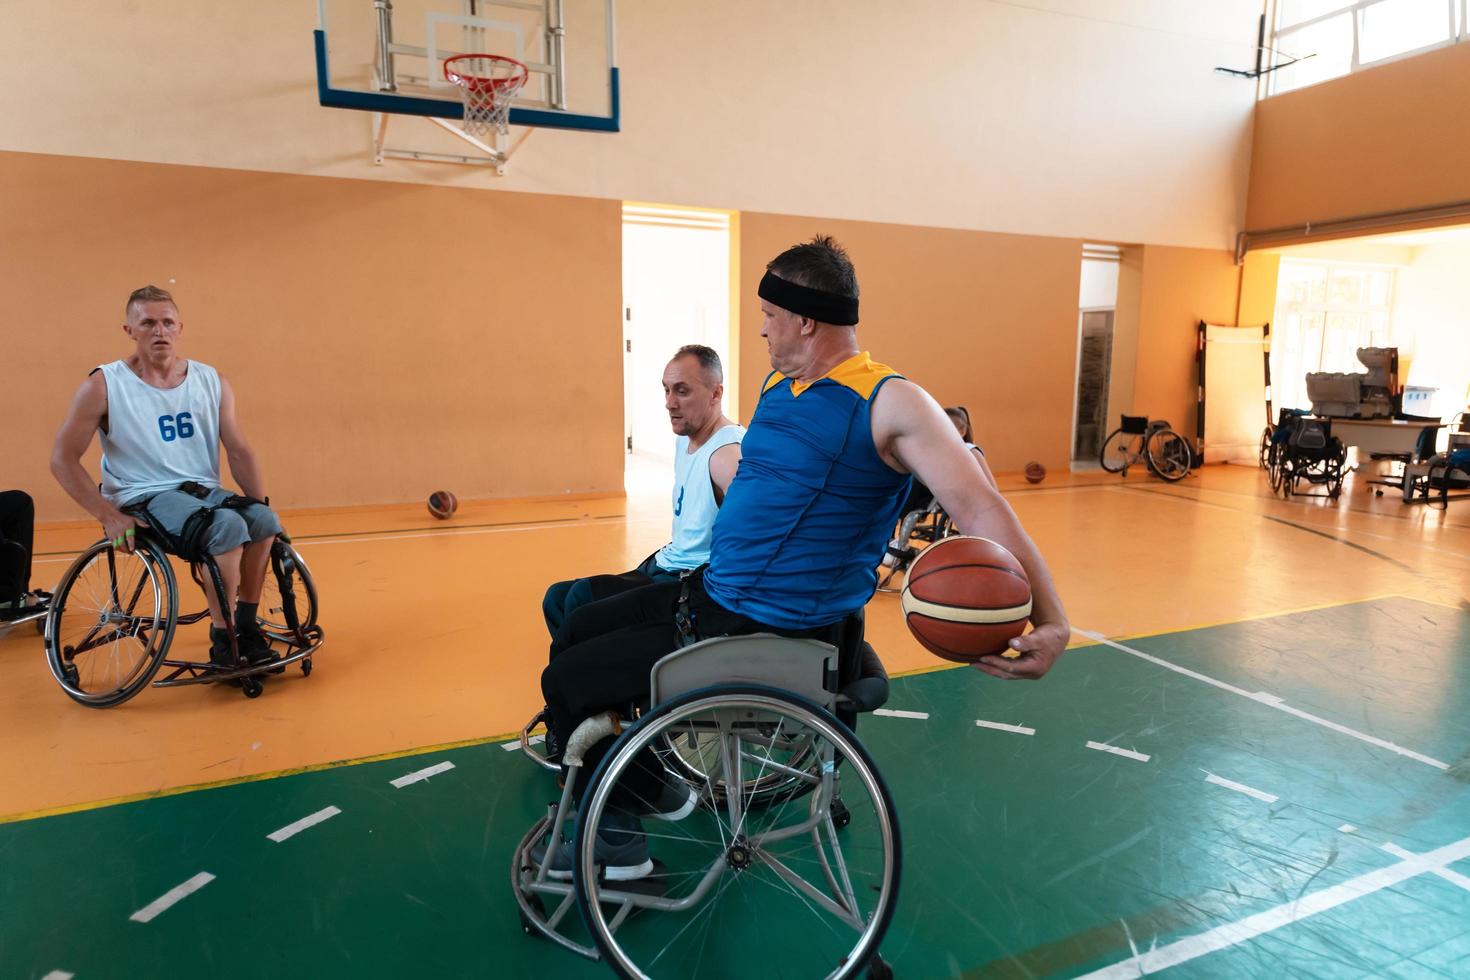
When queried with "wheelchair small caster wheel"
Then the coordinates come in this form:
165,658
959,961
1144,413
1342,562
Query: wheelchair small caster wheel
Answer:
306,667
878,969
251,686
841,815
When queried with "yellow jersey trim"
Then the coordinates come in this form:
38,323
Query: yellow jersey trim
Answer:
859,372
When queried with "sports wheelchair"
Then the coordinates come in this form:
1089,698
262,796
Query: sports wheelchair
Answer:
1304,450
114,613
794,844
1442,476
923,523
1152,442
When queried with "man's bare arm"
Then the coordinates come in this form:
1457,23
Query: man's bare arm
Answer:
244,466
723,463
912,432
83,417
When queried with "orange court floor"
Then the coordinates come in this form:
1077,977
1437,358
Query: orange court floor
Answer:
434,633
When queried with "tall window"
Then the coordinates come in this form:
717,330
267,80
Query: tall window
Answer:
1324,313
1343,37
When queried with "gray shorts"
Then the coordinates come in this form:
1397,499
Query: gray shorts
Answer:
230,529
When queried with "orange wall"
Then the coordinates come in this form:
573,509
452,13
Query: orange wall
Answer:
1385,139
384,340
980,319
1181,286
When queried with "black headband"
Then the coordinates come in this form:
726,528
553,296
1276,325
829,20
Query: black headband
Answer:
818,304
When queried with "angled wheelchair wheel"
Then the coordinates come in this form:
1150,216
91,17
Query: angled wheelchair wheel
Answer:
775,766
1116,450
1168,455
111,621
287,577
1264,454
735,882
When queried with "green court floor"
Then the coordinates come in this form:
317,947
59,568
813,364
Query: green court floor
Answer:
1288,797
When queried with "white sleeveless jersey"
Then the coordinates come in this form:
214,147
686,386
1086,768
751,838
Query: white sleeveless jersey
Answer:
694,501
158,438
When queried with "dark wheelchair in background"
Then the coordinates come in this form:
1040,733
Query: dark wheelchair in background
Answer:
1301,450
113,616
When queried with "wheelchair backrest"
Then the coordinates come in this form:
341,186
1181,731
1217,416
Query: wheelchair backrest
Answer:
804,667
1134,425
1309,434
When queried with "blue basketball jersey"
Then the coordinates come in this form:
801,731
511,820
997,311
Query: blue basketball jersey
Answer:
798,540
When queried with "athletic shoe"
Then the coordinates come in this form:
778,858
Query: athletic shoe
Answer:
621,851
256,649
675,801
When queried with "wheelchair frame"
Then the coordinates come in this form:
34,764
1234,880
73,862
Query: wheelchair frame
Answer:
725,690
1137,438
126,614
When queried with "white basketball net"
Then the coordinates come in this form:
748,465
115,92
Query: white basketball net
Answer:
487,86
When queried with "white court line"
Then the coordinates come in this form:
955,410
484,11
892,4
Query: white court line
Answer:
515,743
895,713
1235,933
1240,788
58,975
421,774
1453,877
292,829
1125,753
162,903
1269,700
1347,828
1000,727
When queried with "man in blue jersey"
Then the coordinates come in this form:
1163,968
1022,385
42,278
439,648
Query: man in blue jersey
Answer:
706,454
826,465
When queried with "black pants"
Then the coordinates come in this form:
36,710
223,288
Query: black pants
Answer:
601,657
17,531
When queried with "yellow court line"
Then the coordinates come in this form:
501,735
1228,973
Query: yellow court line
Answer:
1254,617
468,743
1432,602
256,777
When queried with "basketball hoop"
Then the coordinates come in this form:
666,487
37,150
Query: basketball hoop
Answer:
487,84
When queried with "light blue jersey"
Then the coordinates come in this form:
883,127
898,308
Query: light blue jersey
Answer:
694,501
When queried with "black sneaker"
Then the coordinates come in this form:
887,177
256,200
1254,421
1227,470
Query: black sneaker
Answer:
219,648
256,649
621,851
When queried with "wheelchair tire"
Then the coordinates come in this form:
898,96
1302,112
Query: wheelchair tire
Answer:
252,686
98,609
286,565
1114,452
853,897
1168,455
1265,450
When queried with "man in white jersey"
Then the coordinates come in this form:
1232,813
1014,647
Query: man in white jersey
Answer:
161,419
706,455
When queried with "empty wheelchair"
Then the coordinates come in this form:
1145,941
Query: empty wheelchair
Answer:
1137,439
1307,453
790,863
113,616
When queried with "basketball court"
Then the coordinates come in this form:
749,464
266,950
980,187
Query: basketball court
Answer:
1253,759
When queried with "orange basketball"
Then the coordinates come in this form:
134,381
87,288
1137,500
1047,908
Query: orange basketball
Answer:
965,598
1035,472
442,504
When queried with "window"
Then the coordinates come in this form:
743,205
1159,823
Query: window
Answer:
1324,313
1342,37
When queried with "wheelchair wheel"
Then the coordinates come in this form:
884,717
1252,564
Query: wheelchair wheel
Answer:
1264,454
781,871
1168,455
1115,451
775,767
287,574
111,621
